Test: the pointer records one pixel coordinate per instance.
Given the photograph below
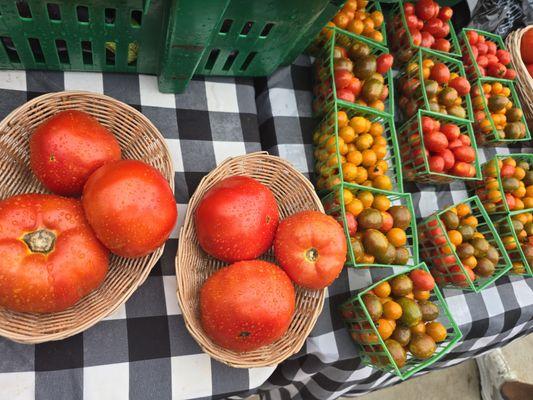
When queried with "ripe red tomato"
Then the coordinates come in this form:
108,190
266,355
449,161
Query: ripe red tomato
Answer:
511,201
496,70
433,26
412,21
311,248
449,159
416,37
482,61
464,153
473,37
492,59
451,131
384,63
454,143
422,280
503,56
526,47
435,141
355,86
247,305
427,39
67,148
428,125
425,9
443,31
237,219
510,74
458,277
436,164
408,8
388,222
461,169
491,47
445,13
50,256
351,223
130,207
442,45
461,85
465,139
346,95
342,78
440,73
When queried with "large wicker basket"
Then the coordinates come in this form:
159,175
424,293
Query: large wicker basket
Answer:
139,139
293,193
524,81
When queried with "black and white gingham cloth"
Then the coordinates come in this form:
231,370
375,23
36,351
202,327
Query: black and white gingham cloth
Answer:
143,351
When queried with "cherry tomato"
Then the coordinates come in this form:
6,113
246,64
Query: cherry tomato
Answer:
384,63
442,45
440,73
425,9
445,13
473,37
342,78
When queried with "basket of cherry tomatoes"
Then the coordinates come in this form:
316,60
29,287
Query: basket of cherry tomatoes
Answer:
359,147
438,148
401,323
498,115
421,24
462,248
354,72
507,183
380,226
434,82
516,232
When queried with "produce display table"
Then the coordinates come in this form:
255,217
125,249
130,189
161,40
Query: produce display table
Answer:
143,350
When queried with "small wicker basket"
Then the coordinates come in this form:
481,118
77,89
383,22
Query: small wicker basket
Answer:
139,139
293,193
524,81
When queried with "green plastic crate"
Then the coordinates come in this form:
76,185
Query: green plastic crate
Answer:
504,226
491,169
329,175
420,96
324,74
376,354
471,66
334,205
172,39
406,50
434,239
492,137
413,151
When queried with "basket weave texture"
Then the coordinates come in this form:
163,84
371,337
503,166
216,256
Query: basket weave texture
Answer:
139,139
293,193
524,81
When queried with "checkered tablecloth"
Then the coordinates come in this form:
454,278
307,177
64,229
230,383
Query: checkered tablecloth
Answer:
143,351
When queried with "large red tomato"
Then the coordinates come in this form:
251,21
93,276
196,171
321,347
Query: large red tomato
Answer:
50,257
67,148
237,219
311,248
130,206
526,47
247,305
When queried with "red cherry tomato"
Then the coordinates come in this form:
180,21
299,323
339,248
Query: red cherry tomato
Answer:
440,73
436,164
461,169
449,158
491,47
464,153
451,131
482,61
473,37
442,45
503,56
416,37
465,139
311,248
384,63
422,280
67,148
461,85
510,74
428,124
130,207
342,78
355,86
496,70
433,26
425,9
50,256
482,48
408,8
412,21
346,95
435,141
427,39
445,13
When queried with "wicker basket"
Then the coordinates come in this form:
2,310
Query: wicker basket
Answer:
139,139
524,81
293,193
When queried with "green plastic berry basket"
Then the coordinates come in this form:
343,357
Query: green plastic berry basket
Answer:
471,65
334,205
396,23
437,250
504,226
375,353
413,155
324,74
488,134
328,166
413,71
496,204
372,6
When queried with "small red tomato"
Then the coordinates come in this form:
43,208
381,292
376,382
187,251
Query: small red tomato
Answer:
436,164
491,47
355,86
482,48
507,171
445,13
492,59
464,153
428,124
342,78
481,39
435,141
443,31
416,37
432,26
504,56
451,131
420,25
511,201
351,223
496,70
67,148
422,280
455,143
130,207
427,39
412,21
440,73
387,222
346,95
311,247
442,45
510,74
384,63
461,85
482,61
408,8
458,277
425,9
461,169
449,158
472,37
465,139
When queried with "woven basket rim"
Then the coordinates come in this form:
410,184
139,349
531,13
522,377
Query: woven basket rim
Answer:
207,345
148,261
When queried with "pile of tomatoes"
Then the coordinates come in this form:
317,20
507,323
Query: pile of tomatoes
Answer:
447,150
445,90
427,25
354,18
522,227
490,60
467,247
55,249
516,188
404,316
362,149
493,103
251,302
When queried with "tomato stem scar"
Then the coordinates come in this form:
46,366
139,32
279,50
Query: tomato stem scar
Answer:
311,254
41,241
